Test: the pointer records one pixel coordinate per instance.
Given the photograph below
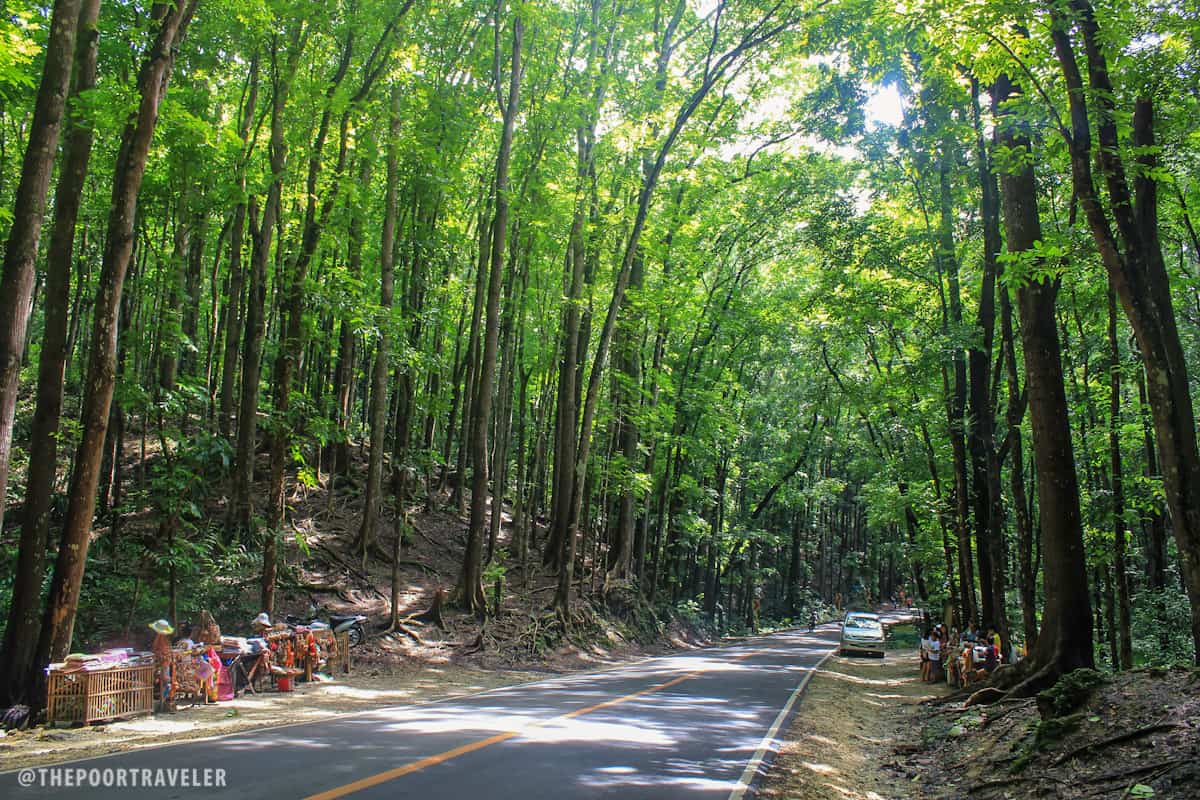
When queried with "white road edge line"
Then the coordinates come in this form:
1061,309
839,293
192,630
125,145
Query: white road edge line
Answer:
768,741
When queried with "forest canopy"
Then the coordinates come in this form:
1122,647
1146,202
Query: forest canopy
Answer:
739,307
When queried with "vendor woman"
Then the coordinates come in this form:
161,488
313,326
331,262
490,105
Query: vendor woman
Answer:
161,647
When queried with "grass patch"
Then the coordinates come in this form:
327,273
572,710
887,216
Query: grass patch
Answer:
902,637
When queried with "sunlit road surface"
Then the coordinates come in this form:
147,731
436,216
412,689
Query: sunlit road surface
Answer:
695,725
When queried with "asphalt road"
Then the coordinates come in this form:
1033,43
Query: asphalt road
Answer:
690,726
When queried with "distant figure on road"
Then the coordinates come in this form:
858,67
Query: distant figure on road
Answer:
812,620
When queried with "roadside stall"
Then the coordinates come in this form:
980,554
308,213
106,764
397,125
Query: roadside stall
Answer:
98,687
210,668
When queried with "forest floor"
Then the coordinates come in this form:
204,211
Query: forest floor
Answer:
871,730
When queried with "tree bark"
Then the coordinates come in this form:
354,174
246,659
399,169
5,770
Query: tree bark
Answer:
986,495
1065,641
237,275
1124,658
292,339
29,206
1014,414
21,632
58,624
379,399
469,592
1139,276
241,505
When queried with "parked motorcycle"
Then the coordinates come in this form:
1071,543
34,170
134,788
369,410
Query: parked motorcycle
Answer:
353,624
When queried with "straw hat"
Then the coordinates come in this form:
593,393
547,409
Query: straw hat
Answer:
162,626
263,619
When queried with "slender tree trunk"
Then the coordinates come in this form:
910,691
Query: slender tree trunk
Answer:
956,404
170,330
241,505
237,276
59,622
567,417
379,372
986,493
948,549
292,336
471,364
1153,522
503,421
469,592
192,291
21,632
628,381
1026,565
29,206
1124,658
343,381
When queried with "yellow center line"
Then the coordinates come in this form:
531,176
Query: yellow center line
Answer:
461,750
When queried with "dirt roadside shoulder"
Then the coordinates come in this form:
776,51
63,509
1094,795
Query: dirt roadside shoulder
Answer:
842,739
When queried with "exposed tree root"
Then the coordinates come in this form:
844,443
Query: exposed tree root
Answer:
1013,704
1000,782
476,645
399,627
1118,739
434,612
985,696
1131,771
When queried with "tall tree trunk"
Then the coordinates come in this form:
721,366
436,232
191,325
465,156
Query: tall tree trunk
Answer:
343,380
1120,576
949,551
59,622
471,364
29,205
1153,522
504,397
170,330
1139,276
956,404
192,291
21,632
987,498
1065,641
387,258
628,382
469,592
567,417
241,505
1026,566
292,334
237,276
